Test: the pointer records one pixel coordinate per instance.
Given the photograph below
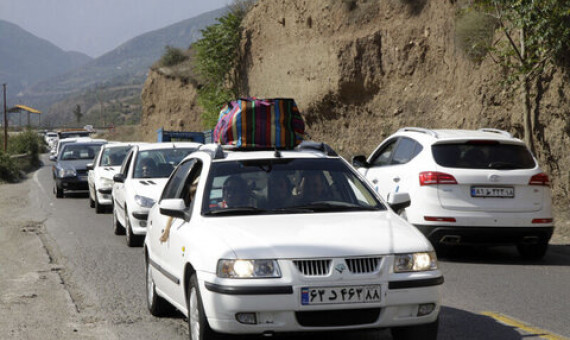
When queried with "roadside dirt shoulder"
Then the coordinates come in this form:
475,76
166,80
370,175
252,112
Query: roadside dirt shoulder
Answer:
34,303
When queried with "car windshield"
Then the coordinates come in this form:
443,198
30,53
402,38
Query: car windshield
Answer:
114,156
159,163
79,151
279,186
483,155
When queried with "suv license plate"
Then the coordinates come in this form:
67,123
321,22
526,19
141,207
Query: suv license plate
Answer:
493,192
333,295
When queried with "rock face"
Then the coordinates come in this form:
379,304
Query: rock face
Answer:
168,103
361,69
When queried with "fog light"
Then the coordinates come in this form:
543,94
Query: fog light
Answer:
426,308
142,224
246,318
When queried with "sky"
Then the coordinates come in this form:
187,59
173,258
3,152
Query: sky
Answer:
95,27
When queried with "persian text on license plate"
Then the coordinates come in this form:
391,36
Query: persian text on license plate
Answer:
333,295
493,192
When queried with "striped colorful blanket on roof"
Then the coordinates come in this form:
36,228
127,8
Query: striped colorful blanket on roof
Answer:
260,123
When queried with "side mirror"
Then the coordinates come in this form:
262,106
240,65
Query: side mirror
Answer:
119,178
360,161
399,201
53,158
173,207
89,166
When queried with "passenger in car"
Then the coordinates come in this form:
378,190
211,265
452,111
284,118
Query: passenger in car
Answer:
279,192
235,193
314,187
148,168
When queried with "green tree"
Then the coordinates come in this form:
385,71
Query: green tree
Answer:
535,34
77,113
217,58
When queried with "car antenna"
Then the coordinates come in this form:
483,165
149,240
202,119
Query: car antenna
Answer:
277,154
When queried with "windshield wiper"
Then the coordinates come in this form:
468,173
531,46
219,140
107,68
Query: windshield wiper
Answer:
502,165
237,211
334,206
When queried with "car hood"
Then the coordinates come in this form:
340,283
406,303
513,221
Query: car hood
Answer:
106,171
316,235
149,187
79,164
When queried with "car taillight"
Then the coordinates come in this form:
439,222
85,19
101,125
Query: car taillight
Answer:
434,177
539,179
542,220
439,219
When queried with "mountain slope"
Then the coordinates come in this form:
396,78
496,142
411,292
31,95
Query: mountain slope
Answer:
26,59
128,64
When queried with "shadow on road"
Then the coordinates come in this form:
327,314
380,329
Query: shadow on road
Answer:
557,255
460,324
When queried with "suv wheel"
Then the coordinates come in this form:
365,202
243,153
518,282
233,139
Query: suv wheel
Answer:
533,251
157,306
118,229
425,332
197,323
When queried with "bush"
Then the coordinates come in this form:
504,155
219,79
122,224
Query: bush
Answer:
8,170
172,56
474,33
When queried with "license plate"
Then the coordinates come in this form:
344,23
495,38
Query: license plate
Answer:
333,295
492,192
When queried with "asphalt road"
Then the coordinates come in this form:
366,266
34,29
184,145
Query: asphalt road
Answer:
488,294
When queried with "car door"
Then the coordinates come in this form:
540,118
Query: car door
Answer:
389,169
167,248
119,188
91,174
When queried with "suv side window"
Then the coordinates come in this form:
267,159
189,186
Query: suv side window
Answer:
384,156
406,150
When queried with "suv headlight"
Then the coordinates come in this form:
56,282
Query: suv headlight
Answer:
66,173
415,262
143,201
248,269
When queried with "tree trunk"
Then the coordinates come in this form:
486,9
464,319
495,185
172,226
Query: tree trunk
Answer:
527,114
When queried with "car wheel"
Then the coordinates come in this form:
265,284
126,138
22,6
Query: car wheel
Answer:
58,192
157,306
99,209
424,332
533,251
132,239
118,229
197,323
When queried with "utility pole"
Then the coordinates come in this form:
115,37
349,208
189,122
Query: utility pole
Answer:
5,121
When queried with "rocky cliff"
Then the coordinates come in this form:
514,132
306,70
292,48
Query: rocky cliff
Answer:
361,69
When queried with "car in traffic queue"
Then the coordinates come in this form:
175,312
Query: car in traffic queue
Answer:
265,242
139,182
100,175
70,169
467,187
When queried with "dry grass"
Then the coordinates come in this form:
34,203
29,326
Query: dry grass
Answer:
125,133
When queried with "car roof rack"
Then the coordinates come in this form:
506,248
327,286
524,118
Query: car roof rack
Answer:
214,150
316,146
501,132
420,130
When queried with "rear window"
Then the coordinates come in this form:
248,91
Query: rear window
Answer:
483,155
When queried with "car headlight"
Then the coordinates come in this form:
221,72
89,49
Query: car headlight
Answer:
145,202
415,262
248,269
66,173
105,182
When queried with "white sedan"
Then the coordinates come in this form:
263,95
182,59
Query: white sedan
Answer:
264,242
139,183
101,171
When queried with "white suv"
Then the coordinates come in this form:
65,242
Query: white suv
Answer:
263,242
480,187
139,183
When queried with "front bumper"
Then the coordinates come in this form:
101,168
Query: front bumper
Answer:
279,309
72,183
104,196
